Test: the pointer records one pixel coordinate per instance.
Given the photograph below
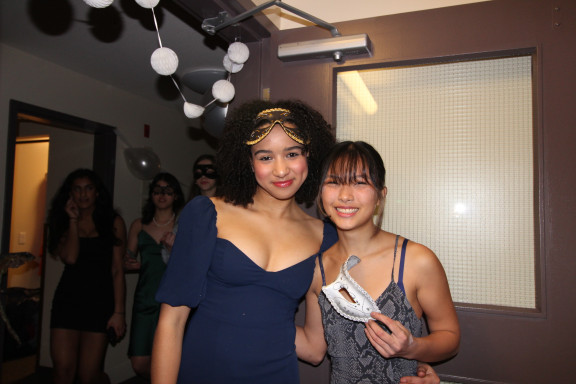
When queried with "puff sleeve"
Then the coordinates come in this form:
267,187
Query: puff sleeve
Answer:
184,281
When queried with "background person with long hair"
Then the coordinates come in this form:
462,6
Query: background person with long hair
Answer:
159,215
89,237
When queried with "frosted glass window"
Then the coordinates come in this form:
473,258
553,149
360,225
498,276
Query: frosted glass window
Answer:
457,143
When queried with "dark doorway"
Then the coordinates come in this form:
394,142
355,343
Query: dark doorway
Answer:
74,142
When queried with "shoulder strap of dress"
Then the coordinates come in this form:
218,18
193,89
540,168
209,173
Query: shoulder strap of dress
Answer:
321,269
329,236
401,272
394,261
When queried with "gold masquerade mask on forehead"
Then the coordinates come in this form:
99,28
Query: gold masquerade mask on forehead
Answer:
267,119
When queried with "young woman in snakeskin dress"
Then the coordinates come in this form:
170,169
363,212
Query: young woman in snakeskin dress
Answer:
404,279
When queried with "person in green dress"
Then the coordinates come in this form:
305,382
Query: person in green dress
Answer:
146,239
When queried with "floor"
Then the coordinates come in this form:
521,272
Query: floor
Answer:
44,376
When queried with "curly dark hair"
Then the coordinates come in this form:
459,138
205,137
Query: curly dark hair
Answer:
103,214
195,190
149,208
238,183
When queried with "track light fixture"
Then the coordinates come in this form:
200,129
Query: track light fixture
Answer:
336,47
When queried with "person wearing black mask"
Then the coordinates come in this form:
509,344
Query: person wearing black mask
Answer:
205,177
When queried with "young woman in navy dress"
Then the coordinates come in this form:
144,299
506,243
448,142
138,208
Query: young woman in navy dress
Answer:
244,259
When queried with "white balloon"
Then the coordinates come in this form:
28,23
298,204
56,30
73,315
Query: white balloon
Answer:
238,52
142,162
223,91
99,3
231,66
147,3
164,61
193,111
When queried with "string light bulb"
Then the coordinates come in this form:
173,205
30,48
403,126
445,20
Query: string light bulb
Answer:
99,3
223,91
193,111
238,52
165,62
147,3
231,66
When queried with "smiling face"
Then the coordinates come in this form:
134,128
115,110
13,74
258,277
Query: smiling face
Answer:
83,192
280,164
350,200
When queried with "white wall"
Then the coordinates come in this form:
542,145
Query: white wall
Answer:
28,79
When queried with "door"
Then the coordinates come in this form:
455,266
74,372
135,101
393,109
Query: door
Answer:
67,143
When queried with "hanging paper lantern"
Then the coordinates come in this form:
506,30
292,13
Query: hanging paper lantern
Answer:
231,66
98,3
164,61
238,52
147,3
142,162
193,111
223,91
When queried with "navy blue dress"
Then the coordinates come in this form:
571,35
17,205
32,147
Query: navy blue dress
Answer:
243,328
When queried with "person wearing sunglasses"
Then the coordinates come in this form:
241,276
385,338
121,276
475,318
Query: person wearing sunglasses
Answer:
145,239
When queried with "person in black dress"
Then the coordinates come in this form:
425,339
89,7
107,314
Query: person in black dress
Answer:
88,308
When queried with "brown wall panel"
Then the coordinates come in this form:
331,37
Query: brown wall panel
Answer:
496,346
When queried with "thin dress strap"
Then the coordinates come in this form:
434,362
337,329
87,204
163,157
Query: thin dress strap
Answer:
401,272
394,261
321,269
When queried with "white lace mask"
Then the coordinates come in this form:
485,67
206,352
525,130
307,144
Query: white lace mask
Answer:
363,304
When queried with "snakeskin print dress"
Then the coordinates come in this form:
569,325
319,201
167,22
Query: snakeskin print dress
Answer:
354,359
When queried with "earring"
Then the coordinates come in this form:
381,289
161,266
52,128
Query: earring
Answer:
378,208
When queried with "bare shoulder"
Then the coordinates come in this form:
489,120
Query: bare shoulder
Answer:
422,258
222,207
332,261
311,222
